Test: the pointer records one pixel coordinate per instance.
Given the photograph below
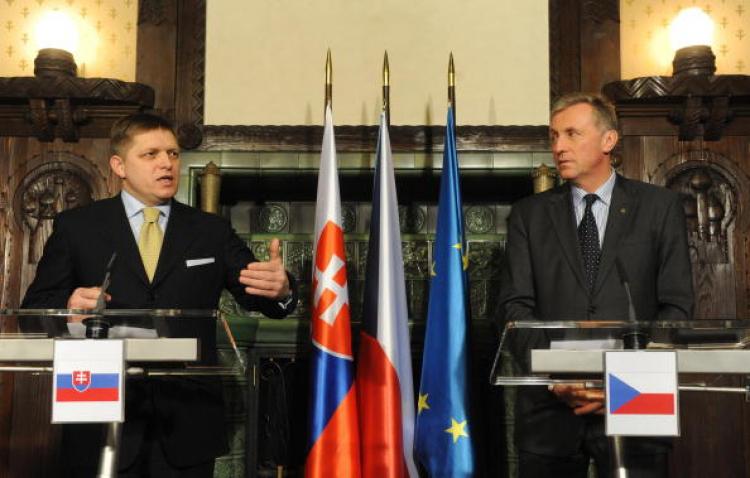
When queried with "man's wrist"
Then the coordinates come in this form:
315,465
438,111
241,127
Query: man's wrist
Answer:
285,302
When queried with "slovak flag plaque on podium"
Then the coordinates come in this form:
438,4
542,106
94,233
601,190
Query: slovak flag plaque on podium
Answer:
88,381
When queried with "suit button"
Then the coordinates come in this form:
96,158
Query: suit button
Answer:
592,309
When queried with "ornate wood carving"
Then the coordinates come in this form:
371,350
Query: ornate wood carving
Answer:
49,189
87,90
554,50
713,191
191,59
702,105
151,12
171,58
66,107
710,208
601,11
361,138
40,119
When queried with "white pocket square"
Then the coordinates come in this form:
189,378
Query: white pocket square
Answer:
199,262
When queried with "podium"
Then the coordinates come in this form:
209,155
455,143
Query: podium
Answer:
549,353
155,343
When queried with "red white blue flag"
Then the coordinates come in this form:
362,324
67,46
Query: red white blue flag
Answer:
641,393
384,376
84,386
334,434
628,400
88,381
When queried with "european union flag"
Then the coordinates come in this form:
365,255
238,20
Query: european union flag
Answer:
443,430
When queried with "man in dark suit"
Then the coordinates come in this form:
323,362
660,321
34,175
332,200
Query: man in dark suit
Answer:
168,256
562,252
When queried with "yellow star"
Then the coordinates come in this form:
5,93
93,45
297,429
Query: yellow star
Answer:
464,258
432,269
457,429
422,405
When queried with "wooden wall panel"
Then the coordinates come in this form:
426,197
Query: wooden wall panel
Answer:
28,442
715,437
713,430
584,45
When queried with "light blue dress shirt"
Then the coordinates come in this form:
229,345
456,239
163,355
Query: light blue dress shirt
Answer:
600,208
134,213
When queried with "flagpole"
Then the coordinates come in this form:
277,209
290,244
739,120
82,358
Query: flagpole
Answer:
386,89
334,420
444,397
329,82
452,88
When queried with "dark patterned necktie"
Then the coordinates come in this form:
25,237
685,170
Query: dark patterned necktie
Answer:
588,237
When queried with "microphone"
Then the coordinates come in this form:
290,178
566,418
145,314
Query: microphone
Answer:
98,327
633,338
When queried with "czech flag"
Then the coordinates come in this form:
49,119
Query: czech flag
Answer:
384,376
627,400
334,436
641,393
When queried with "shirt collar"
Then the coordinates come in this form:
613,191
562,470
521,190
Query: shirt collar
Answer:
133,206
604,192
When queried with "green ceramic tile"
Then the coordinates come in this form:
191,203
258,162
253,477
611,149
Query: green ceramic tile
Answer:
356,160
542,158
475,160
403,160
309,160
511,160
183,193
197,159
244,160
428,160
279,160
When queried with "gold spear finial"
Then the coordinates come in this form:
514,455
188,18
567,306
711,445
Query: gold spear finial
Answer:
386,88
329,80
451,83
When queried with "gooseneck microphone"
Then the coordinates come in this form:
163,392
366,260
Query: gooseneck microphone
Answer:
97,327
633,337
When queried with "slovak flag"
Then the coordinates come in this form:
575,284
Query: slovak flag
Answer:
642,393
334,432
84,386
88,381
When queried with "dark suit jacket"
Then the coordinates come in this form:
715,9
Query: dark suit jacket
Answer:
543,280
188,413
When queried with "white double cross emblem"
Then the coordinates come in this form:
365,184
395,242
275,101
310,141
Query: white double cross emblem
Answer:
325,280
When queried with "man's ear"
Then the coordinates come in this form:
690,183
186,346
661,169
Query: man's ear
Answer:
609,140
117,164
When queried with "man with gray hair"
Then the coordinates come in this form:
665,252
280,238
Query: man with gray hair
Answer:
562,250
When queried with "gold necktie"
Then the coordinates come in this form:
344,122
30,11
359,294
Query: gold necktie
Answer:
150,239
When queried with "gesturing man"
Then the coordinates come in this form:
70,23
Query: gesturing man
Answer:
169,255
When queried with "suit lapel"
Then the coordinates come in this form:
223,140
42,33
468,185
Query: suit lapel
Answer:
621,212
177,238
120,234
560,210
